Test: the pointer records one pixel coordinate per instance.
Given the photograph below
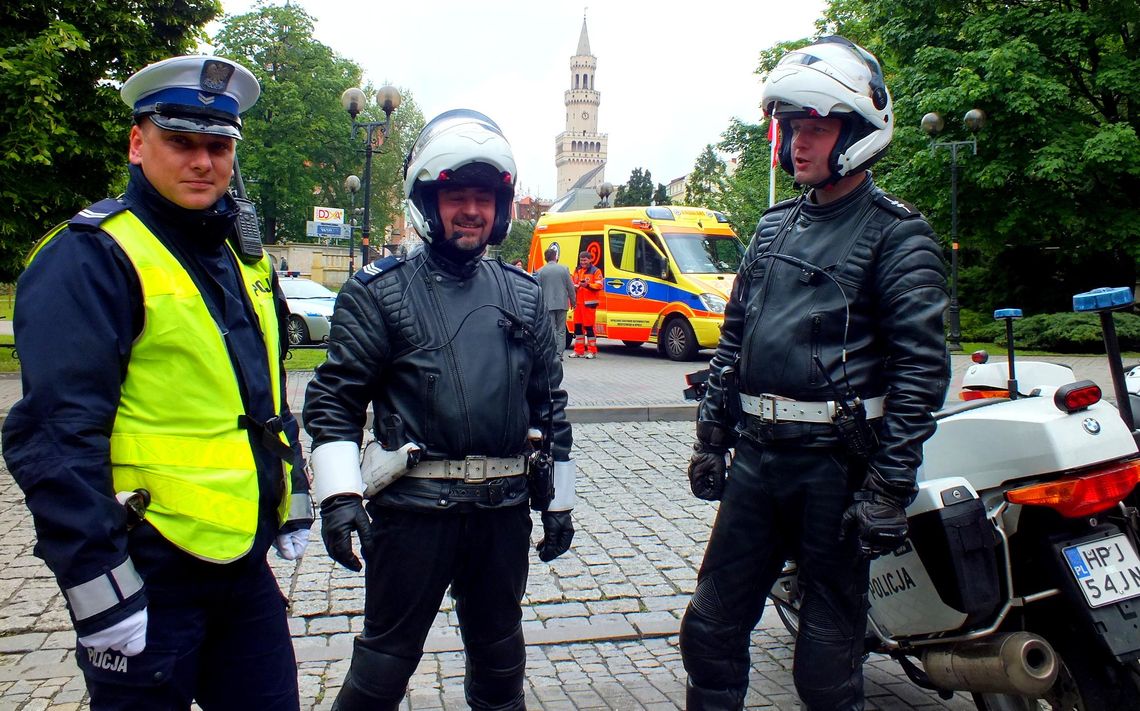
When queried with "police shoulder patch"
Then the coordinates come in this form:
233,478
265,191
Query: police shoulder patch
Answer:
95,215
899,208
373,270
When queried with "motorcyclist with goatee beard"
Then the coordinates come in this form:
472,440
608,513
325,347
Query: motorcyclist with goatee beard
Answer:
455,354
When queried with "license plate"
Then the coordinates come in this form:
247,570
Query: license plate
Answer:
1107,570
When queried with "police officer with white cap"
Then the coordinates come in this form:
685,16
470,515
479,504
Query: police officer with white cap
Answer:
156,451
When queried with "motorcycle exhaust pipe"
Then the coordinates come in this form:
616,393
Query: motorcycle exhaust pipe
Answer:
1018,663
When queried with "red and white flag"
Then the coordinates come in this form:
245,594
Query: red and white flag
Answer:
774,139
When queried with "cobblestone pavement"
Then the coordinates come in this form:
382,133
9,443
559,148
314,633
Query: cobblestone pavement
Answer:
601,621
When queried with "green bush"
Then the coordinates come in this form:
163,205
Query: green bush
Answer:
1059,333
980,328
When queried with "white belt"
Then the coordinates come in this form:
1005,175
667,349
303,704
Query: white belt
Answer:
472,470
775,408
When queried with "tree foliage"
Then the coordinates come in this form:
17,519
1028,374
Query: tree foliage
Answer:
638,191
298,148
64,141
1047,206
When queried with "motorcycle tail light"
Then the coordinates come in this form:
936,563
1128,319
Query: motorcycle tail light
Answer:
1084,494
1077,396
980,357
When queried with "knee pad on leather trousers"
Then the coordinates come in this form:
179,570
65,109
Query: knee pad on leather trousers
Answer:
828,667
698,698
713,649
375,681
495,673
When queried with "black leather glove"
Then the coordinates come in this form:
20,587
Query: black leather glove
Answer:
340,516
877,520
708,467
557,533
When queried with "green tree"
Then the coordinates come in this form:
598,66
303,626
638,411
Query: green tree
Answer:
638,191
65,129
1047,206
517,243
708,179
660,196
297,149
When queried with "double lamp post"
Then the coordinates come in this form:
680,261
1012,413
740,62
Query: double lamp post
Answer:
932,125
353,100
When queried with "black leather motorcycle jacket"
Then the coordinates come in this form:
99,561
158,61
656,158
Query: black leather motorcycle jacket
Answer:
462,353
863,274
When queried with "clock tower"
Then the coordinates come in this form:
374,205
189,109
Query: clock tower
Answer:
580,149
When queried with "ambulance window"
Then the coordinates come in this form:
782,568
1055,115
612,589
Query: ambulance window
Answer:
617,249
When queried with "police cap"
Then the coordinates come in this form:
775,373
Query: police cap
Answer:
194,93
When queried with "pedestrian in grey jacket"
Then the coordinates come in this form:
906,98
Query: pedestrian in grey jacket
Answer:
557,293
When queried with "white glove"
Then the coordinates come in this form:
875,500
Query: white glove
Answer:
291,545
127,636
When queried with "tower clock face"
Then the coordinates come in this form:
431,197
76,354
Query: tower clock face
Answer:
585,114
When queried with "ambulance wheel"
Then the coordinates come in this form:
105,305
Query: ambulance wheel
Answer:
677,340
633,345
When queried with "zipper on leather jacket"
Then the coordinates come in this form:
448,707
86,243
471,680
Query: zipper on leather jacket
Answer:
452,364
430,408
816,327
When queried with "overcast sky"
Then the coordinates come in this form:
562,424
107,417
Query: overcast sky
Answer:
671,73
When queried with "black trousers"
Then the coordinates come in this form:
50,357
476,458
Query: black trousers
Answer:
217,634
483,554
780,502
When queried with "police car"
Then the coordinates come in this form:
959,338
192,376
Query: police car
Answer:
310,310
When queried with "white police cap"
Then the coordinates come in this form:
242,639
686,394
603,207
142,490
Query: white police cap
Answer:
194,93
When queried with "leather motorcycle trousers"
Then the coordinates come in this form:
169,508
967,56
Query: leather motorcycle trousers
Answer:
781,501
483,554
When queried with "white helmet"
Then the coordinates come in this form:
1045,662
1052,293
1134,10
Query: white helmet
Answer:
833,77
458,148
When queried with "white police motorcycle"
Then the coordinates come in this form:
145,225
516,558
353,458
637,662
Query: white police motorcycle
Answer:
1020,578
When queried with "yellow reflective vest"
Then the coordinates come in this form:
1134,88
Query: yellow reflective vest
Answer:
176,431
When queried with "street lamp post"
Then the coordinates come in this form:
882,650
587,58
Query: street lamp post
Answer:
353,101
604,192
932,125
352,185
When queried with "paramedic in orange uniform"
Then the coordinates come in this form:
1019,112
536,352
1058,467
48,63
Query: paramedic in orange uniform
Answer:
588,284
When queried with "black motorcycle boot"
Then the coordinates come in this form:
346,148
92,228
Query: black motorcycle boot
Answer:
701,699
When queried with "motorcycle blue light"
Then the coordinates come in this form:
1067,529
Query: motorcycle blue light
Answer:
1007,313
1103,298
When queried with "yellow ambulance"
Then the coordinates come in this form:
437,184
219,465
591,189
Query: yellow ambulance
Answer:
667,271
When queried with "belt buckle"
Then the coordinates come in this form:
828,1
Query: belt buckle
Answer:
474,470
767,407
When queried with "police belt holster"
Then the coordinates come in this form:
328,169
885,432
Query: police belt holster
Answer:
775,408
471,470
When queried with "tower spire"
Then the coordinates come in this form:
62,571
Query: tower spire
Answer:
584,40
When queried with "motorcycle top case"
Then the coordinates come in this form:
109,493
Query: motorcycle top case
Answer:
946,576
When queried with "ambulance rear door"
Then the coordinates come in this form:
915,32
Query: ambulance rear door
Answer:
636,284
